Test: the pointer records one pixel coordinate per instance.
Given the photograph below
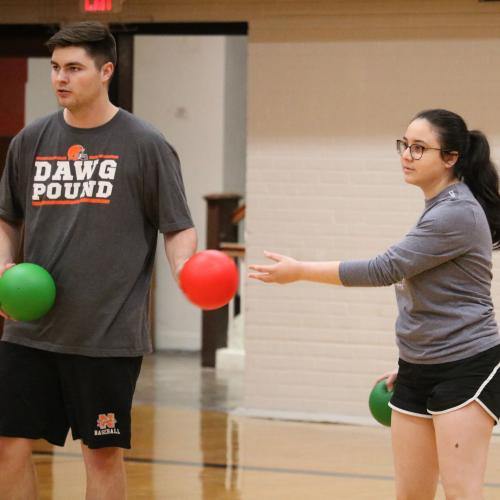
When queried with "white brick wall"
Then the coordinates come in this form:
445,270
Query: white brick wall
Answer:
324,183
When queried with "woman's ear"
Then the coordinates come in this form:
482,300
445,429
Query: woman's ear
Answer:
450,158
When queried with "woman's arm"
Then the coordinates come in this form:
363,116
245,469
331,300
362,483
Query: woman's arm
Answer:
287,270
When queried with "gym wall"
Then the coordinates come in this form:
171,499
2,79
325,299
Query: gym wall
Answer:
331,85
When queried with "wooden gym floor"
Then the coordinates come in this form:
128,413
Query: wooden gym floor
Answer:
188,446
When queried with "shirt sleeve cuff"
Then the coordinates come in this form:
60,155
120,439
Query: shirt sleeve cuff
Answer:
355,273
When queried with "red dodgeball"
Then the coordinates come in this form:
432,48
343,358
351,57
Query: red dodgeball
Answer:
209,279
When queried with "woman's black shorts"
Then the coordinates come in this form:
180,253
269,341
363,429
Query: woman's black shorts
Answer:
424,390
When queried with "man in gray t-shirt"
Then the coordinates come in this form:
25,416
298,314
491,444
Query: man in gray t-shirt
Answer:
92,202
92,186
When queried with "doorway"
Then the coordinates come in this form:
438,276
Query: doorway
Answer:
189,80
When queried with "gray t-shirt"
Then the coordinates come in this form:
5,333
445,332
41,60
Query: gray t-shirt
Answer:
92,202
442,276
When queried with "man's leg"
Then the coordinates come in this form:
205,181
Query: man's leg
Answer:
18,476
106,479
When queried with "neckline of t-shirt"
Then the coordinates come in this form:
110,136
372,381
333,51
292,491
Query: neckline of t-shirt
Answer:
80,130
443,193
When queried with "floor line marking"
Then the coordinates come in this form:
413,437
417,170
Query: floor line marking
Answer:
252,468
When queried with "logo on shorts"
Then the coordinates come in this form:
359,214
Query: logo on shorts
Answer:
107,424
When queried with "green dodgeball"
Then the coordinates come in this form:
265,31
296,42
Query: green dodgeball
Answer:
27,292
379,403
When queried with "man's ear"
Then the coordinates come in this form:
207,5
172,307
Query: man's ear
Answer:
107,71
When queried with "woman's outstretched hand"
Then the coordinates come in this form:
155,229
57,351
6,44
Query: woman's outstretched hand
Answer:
285,270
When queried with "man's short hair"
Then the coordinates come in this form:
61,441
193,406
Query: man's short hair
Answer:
93,36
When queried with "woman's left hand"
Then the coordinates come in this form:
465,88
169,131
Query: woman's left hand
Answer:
286,270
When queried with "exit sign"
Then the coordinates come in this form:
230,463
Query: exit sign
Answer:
98,5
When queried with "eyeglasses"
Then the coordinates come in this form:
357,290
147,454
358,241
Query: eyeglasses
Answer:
416,150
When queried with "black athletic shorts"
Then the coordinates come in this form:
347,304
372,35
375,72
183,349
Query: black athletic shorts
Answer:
426,390
43,394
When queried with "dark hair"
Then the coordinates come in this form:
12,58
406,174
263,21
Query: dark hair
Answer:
93,36
474,165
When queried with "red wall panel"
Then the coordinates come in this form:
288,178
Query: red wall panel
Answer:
13,77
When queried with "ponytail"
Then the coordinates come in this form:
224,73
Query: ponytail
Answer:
479,173
474,166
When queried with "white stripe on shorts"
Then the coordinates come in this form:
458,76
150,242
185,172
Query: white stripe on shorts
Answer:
406,412
473,398
487,410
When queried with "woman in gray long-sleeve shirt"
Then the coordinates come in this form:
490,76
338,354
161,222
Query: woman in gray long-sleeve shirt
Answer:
447,392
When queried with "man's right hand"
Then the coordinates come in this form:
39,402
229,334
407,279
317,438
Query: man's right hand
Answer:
2,270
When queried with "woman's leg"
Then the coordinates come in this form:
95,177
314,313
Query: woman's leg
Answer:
462,438
415,457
